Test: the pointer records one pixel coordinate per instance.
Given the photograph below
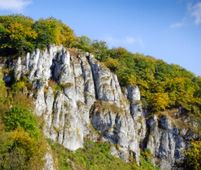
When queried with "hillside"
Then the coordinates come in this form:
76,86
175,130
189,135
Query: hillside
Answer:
134,108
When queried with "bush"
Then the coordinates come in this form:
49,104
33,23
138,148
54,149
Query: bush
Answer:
2,87
93,156
19,151
19,86
193,156
19,117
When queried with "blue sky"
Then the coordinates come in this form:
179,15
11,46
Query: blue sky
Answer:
166,29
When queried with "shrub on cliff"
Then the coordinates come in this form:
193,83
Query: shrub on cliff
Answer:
193,156
20,151
19,117
22,145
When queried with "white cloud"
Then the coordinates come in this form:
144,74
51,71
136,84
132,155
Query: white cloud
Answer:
130,40
124,41
14,5
177,25
195,12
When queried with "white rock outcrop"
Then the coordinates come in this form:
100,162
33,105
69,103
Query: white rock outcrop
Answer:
73,92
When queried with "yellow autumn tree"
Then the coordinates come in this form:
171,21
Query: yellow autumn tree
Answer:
112,64
193,156
159,102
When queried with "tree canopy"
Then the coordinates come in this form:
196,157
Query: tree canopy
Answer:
19,34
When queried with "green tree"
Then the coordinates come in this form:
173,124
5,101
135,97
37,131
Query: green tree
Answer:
53,31
118,52
84,43
16,33
112,64
100,49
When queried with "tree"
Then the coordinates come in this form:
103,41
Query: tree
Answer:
118,52
16,33
53,31
100,49
159,102
20,34
84,43
112,64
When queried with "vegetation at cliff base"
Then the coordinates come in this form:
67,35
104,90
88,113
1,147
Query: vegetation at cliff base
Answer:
193,156
94,156
22,145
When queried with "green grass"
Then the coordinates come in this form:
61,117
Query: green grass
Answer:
94,156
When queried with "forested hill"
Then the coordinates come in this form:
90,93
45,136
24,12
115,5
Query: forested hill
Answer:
163,86
64,79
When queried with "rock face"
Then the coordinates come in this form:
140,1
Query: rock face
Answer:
49,162
165,142
74,93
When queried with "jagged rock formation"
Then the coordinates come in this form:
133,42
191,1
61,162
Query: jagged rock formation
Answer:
165,142
75,94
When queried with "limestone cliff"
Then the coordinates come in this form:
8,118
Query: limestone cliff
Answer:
78,97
